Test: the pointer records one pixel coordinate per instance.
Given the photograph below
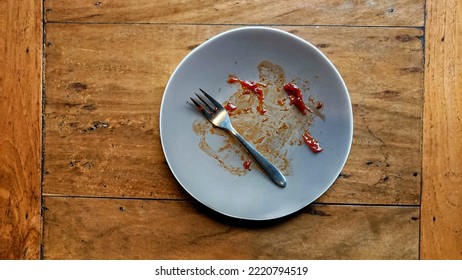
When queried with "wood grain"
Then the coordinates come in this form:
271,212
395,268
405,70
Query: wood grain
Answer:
3,14
150,229
20,126
314,12
105,84
441,234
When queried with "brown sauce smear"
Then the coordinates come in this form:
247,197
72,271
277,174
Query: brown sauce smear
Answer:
277,133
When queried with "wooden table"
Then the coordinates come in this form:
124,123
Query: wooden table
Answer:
83,176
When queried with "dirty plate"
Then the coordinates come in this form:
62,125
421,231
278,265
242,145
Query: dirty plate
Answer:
253,196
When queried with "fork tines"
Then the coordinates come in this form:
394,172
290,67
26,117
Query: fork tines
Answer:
210,109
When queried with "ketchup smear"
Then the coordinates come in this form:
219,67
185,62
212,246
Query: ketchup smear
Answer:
246,164
295,95
251,86
312,143
230,107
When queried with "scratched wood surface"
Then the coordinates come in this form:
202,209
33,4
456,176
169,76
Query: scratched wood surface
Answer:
151,229
20,129
441,203
104,84
96,96
441,234
333,12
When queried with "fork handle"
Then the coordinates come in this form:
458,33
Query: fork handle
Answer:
271,170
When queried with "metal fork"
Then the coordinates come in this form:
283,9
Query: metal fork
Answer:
219,117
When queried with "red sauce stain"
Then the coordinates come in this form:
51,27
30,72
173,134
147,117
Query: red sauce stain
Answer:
247,164
318,104
312,143
230,107
281,101
251,86
296,98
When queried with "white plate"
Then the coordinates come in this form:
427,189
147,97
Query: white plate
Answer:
253,196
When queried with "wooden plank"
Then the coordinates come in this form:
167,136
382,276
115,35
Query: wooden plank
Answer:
314,12
150,229
441,234
20,126
102,132
3,13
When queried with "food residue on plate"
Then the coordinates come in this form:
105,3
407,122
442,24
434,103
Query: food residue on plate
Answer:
312,143
247,164
296,97
271,114
249,87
